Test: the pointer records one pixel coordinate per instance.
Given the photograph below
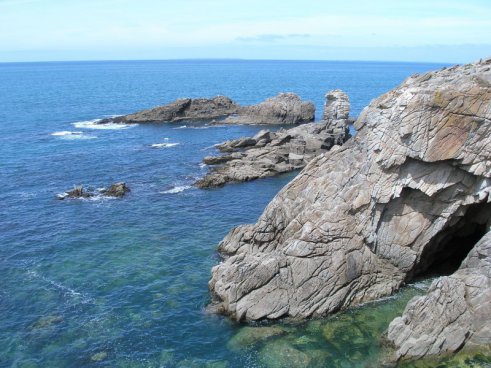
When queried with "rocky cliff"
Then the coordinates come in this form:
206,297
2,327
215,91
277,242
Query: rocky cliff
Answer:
271,153
285,108
408,193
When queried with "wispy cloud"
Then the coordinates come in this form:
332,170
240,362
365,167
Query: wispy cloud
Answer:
272,37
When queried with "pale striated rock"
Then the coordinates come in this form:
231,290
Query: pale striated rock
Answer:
455,313
362,219
285,108
272,153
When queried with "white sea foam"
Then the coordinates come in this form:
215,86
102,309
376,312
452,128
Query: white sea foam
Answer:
177,189
65,133
164,145
200,126
202,165
69,135
93,124
67,291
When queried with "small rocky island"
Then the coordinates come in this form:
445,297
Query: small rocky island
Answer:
271,153
117,190
285,108
408,196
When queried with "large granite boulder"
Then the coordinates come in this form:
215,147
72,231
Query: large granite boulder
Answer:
286,108
363,219
271,153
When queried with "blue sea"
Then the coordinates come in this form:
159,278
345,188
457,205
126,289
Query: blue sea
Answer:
123,282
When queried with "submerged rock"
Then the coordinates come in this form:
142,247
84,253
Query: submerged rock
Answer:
271,153
281,354
286,108
99,357
363,219
249,336
46,322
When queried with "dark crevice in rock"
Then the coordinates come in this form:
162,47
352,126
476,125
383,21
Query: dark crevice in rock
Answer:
445,253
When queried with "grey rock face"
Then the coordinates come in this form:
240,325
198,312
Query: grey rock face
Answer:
272,153
454,315
286,108
336,106
362,219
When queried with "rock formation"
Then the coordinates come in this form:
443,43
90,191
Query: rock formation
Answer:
286,108
181,109
455,313
271,153
116,190
362,219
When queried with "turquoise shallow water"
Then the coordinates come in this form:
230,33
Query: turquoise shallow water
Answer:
123,283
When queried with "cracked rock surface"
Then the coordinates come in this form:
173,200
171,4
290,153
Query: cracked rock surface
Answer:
454,314
285,108
271,153
362,219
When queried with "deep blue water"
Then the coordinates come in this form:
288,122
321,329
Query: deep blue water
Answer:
124,282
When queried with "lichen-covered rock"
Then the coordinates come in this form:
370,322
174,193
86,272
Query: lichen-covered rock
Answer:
456,312
271,153
362,219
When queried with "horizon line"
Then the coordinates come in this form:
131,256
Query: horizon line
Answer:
228,59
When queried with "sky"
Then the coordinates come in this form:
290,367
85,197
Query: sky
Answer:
453,31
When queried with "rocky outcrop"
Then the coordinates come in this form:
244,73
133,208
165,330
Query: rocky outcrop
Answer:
116,190
362,219
181,109
454,315
271,153
286,108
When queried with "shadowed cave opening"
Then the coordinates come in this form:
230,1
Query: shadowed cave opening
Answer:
446,251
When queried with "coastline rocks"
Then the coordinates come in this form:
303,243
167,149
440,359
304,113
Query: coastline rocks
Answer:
285,108
116,190
272,153
363,219
454,314
181,109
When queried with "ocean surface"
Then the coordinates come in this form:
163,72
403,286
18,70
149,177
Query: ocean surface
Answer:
123,282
